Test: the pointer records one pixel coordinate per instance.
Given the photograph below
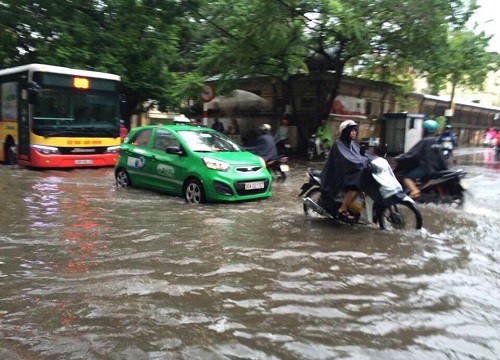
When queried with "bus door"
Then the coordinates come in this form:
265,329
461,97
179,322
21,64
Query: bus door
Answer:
23,150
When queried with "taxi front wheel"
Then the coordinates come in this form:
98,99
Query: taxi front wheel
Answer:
194,193
122,178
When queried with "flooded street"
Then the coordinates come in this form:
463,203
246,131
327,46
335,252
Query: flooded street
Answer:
90,271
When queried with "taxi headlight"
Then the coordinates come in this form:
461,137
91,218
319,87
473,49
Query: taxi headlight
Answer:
46,150
113,149
215,164
262,162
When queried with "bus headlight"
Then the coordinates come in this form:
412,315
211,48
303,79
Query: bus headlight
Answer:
113,149
46,150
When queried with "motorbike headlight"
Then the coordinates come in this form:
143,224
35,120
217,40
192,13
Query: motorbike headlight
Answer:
215,164
46,150
113,149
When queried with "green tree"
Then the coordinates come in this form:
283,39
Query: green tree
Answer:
137,40
279,37
251,38
463,61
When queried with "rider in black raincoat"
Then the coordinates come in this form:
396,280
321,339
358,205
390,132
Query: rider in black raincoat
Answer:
264,145
348,169
424,158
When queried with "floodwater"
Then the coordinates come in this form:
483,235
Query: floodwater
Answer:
89,271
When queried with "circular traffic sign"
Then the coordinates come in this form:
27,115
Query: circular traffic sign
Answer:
207,93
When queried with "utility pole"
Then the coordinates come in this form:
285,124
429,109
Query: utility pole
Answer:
450,111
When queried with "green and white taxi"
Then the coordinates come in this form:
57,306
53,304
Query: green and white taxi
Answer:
197,163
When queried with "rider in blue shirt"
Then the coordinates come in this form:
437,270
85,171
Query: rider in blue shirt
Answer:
447,135
447,141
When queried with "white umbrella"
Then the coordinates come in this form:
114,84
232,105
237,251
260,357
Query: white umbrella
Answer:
181,119
237,100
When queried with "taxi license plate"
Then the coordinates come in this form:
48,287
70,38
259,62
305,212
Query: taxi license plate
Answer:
254,185
83,162
284,168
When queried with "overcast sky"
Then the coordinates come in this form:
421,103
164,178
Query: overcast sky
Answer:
487,18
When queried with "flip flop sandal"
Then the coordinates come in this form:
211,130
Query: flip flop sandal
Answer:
346,217
414,194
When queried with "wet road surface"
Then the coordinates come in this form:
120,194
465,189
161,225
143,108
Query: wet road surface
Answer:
89,271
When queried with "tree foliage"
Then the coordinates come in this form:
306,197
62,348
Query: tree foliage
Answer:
138,40
463,61
165,49
379,39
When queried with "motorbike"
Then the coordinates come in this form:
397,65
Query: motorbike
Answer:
447,148
397,212
284,146
442,187
278,166
313,144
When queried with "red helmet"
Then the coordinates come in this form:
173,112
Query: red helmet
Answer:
284,122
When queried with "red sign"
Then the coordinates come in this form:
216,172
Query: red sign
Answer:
207,93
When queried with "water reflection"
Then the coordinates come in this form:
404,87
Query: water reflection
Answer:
91,271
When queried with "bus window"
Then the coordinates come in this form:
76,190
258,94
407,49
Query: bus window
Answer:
33,93
53,105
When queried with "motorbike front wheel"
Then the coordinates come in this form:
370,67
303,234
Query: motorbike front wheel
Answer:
314,194
402,216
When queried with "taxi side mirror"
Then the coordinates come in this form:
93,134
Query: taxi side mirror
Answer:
175,150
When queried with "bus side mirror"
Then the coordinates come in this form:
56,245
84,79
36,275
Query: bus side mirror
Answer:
33,93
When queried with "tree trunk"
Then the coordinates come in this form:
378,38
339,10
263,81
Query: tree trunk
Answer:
338,66
334,90
452,103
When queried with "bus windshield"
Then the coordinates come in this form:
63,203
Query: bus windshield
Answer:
64,112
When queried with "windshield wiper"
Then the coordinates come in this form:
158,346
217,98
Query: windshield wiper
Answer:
103,132
60,132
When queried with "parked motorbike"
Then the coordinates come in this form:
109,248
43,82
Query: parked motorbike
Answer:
401,214
278,166
442,187
284,147
317,148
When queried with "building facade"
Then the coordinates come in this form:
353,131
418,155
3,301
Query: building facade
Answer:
366,101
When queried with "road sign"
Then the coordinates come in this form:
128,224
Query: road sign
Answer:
207,93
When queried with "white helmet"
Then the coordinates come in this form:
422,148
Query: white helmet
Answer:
265,128
346,124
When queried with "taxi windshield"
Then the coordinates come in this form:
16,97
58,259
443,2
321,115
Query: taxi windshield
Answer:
208,141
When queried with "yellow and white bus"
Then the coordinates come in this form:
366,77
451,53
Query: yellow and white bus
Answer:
56,117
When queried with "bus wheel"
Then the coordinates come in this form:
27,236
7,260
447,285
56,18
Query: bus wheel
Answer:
11,153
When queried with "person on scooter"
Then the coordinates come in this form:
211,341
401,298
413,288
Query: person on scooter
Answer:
282,134
264,145
424,158
347,169
447,140
447,134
